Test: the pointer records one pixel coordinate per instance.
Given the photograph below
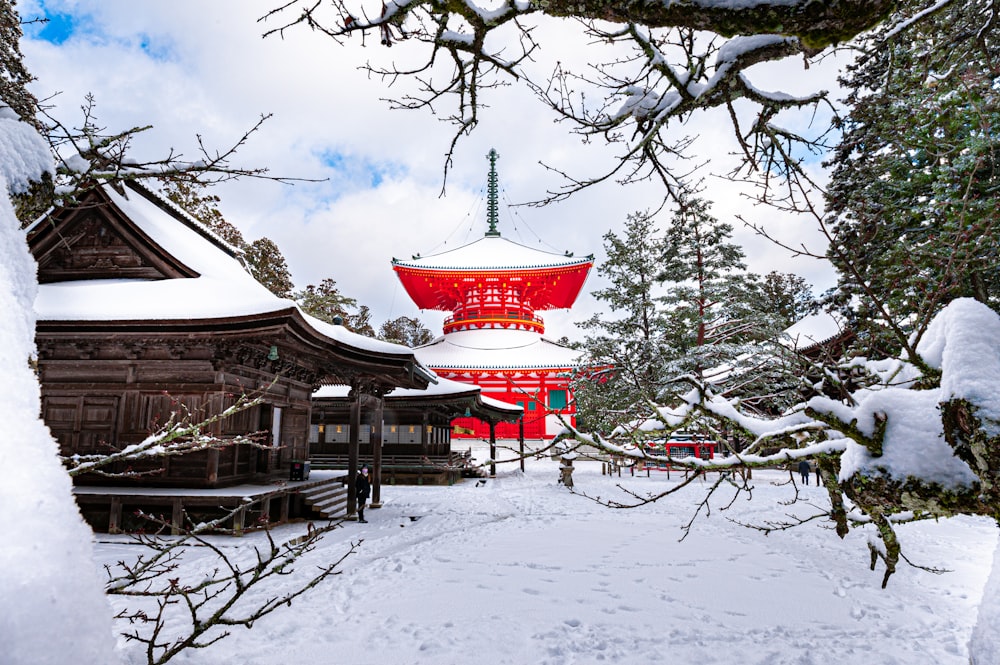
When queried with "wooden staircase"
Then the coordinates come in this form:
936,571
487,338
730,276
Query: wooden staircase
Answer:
328,499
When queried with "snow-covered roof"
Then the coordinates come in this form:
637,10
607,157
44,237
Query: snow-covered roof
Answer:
443,388
813,330
493,252
222,289
499,348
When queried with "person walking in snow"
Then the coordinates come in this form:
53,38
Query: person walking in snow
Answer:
805,470
363,488
819,475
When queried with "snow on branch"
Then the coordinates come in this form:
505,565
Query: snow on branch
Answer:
665,79
183,433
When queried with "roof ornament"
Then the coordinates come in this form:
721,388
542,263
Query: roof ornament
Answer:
491,203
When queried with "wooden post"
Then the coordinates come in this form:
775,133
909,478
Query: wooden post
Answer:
377,455
493,449
176,517
520,439
115,515
239,518
286,500
353,437
424,443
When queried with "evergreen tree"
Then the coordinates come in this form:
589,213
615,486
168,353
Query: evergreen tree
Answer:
787,297
361,321
913,191
14,76
713,304
405,330
267,265
626,352
325,301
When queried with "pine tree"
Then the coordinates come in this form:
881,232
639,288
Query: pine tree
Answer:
268,266
626,351
325,301
713,304
913,190
788,297
361,321
405,330
14,76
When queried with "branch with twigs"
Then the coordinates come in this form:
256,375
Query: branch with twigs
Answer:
180,614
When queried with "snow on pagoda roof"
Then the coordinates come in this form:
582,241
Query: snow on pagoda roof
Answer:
222,289
496,349
493,253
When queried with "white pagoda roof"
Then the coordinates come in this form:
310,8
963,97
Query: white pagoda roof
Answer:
493,253
499,348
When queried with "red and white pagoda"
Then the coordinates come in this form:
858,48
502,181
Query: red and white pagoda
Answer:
493,288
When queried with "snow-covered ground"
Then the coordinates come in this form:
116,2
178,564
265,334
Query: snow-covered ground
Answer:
520,570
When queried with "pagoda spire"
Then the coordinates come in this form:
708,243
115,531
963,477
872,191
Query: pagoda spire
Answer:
492,215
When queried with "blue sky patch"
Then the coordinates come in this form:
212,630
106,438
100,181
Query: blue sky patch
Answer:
57,28
350,170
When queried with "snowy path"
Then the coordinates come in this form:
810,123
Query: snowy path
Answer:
521,571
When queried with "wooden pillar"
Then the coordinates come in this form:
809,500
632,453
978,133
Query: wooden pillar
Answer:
493,448
520,439
424,422
239,518
377,454
286,500
115,515
176,517
353,441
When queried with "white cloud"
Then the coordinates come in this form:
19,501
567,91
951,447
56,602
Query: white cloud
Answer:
191,68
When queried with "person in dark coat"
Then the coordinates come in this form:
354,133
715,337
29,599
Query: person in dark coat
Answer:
363,488
805,469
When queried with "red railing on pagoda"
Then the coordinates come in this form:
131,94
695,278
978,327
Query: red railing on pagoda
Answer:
460,322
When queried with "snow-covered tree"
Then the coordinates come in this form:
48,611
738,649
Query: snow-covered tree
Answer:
913,189
626,350
713,311
788,297
648,66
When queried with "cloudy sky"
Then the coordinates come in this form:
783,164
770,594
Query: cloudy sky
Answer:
192,68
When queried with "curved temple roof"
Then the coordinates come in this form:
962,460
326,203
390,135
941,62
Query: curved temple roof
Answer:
207,286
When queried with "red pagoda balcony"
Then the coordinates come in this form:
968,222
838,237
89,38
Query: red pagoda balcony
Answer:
469,322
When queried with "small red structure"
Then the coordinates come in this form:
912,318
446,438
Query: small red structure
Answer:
494,288
677,447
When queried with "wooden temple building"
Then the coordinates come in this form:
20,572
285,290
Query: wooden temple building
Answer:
407,436
494,337
144,315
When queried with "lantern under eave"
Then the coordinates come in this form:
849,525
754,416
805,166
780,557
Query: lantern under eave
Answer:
494,289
